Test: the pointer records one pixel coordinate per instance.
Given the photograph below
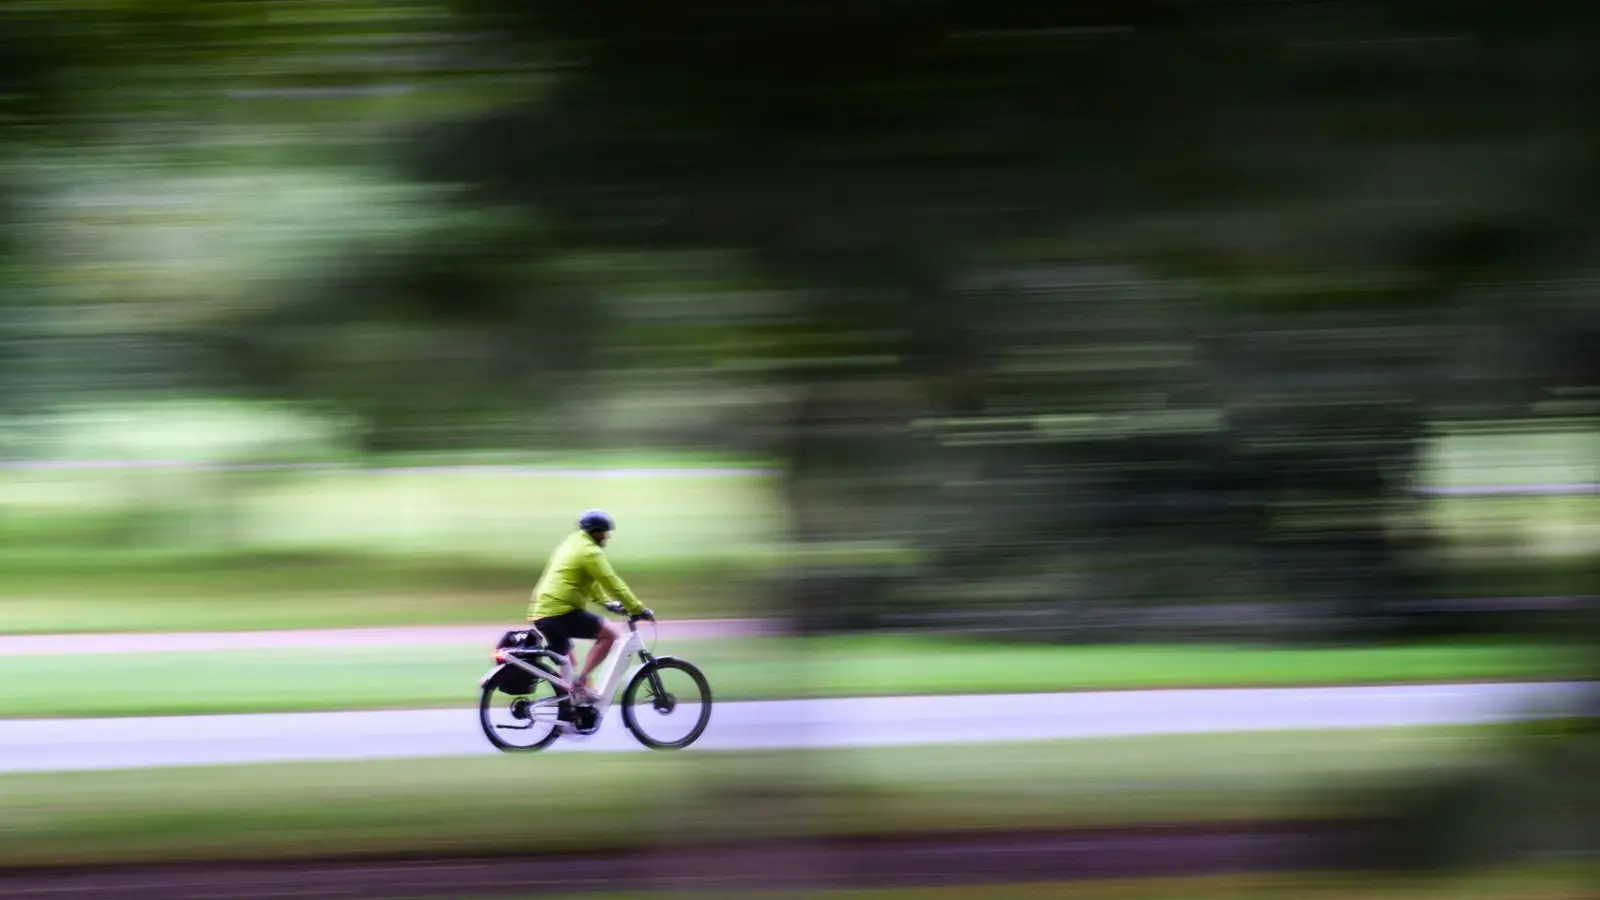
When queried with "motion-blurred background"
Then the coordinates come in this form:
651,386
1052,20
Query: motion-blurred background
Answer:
979,348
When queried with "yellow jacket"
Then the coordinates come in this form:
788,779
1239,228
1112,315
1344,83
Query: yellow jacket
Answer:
578,573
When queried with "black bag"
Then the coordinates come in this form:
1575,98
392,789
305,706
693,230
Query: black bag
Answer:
512,679
521,638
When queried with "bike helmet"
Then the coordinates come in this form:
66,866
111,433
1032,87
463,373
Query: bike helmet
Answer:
595,521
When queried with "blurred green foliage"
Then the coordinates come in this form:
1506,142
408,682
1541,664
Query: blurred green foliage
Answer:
1085,317
748,668
1044,312
391,807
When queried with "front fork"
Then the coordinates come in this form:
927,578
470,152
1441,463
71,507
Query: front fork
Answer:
659,699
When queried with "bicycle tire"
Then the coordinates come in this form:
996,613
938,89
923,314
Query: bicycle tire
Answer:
641,678
486,701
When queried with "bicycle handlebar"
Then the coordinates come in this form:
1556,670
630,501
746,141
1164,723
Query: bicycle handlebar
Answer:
616,608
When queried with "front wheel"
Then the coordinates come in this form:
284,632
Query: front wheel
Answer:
667,704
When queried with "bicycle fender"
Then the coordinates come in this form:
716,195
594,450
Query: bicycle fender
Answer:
484,681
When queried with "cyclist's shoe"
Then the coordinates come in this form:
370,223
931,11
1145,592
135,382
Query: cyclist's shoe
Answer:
583,694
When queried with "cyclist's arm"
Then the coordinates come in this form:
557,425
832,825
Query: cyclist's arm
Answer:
600,568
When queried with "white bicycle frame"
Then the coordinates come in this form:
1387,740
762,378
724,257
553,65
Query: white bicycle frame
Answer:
617,670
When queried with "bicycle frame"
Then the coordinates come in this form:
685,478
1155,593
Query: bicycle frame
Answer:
617,668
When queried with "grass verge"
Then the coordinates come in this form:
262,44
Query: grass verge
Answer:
491,517
63,590
747,668
506,803
266,592
1540,882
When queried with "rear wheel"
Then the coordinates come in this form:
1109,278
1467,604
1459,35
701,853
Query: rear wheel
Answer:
667,704
517,722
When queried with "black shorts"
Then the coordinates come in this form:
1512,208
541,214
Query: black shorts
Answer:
559,631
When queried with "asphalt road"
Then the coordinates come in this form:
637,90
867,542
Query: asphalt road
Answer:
40,745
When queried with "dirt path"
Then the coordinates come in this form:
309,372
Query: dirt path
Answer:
407,636
971,859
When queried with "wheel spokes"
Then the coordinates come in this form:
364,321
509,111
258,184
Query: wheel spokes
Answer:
670,707
532,720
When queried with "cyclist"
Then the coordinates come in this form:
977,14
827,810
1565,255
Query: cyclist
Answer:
577,573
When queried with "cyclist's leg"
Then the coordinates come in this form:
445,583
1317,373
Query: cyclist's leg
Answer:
557,640
604,635
578,624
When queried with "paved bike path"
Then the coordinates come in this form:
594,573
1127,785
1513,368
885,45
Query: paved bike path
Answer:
71,744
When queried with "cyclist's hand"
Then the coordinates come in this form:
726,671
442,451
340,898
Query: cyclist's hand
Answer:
646,614
615,607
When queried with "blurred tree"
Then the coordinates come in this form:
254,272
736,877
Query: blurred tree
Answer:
1099,304
885,160
1328,223
428,341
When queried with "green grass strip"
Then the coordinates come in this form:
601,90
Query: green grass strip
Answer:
1532,882
280,680
551,802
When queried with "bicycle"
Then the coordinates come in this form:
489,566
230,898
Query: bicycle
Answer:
525,668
